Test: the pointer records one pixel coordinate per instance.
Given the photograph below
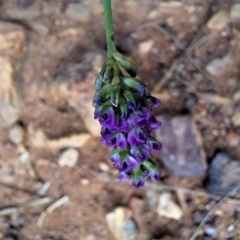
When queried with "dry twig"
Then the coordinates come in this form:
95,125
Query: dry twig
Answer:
51,208
231,193
22,206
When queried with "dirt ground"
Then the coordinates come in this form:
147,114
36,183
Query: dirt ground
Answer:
50,53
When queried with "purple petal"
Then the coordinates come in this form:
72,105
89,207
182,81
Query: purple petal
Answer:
153,123
155,176
122,141
122,177
131,162
154,102
139,184
136,137
108,119
154,144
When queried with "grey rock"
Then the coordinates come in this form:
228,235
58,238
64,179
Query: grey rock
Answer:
77,11
223,174
182,152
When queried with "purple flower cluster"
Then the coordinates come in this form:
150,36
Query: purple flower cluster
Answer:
126,122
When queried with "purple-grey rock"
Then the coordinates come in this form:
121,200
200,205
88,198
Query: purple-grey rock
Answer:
182,152
223,174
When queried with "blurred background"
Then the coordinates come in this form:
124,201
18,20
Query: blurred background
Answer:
56,181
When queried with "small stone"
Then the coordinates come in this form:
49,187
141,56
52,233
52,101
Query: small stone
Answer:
77,11
182,152
145,47
170,4
68,158
231,228
236,119
219,65
223,174
39,139
235,16
219,20
25,3
16,134
26,14
120,224
168,208
103,167
84,182
210,231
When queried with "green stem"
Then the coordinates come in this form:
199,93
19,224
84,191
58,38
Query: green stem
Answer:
109,27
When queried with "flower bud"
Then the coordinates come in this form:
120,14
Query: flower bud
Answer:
126,64
135,84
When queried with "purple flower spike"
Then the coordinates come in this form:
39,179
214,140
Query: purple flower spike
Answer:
136,137
127,123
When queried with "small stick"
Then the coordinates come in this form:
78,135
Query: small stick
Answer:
232,192
51,208
22,206
194,44
188,191
44,188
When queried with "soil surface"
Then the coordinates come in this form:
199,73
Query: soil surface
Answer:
187,52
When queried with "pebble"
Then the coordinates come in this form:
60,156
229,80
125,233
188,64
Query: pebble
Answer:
182,152
16,134
68,158
235,16
236,119
120,224
223,174
103,167
219,20
210,231
77,11
231,228
145,47
84,182
218,66
25,3
168,208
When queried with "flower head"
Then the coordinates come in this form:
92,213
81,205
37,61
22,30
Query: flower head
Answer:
123,107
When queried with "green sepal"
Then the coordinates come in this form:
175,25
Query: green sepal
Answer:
105,90
123,107
98,83
107,70
126,64
129,96
150,166
123,156
115,95
115,151
135,84
137,173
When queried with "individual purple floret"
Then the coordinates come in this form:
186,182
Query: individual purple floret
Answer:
123,107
